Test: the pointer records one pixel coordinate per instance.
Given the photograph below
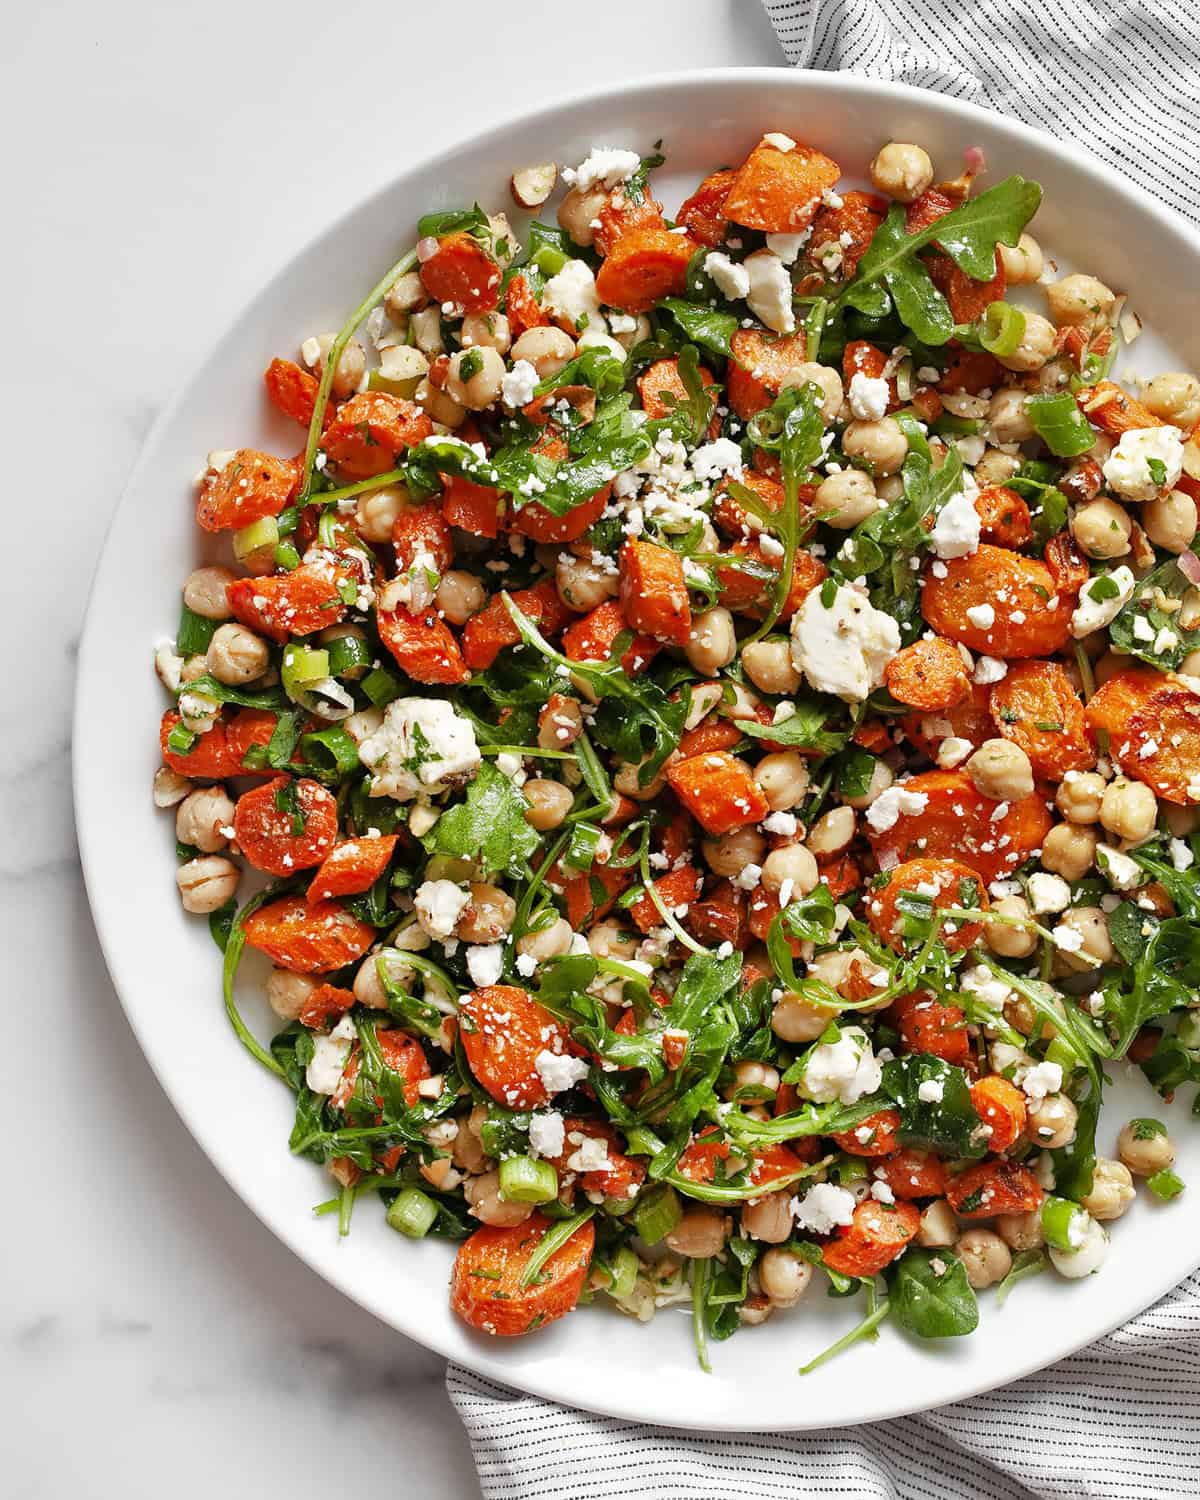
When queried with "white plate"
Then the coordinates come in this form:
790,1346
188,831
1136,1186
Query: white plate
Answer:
166,969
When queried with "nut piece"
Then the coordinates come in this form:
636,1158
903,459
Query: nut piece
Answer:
531,186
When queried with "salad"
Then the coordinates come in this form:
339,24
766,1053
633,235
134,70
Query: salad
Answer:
713,710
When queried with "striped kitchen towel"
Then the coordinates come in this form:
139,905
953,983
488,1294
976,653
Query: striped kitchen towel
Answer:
1121,1419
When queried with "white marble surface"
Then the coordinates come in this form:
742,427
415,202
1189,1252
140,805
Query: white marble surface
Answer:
162,161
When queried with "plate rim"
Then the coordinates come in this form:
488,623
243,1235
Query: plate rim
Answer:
484,1362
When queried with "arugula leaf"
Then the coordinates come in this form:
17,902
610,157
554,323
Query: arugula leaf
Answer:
1036,483
931,1295
891,275
1025,1263
448,220
1167,643
949,1124
709,327
808,728
488,827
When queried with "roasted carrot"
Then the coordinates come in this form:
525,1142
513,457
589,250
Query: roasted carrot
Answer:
307,939
719,791
1036,707
779,191
654,595
1031,616
248,487
504,1031
647,263
929,674
486,1288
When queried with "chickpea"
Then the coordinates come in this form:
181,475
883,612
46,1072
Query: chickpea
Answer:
1023,263
1175,397
1010,942
1069,851
548,942
1092,926
467,1152
549,803
206,883
459,595
376,512
784,1277
1008,416
578,211
581,584
474,376
204,593
712,641
368,987
170,788
846,498
996,467
546,349
351,368
425,329
1112,1190
1145,1149
768,1218
832,832
628,781
828,381
1087,1257
1102,528
795,1019
902,171
287,993
889,488
201,818
985,1257
1079,301
768,664
749,1074
699,1234
1170,521
483,1195
1129,809
1001,770
1052,1122
792,864
1036,346
881,444
732,852
1079,796
783,777
485,331
938,1229
488,915
236,655
405,295
562,727
439,406
1021,1231
881,779
608,940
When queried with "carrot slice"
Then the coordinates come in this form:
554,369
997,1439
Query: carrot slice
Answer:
749,592
486,634
780,191
1036,707
719,791
875,1136
307,939
620,215
1001,1106
422,645
283,604
927,1024
589,897
352,867
654,594
620,1176
929,674
522,309
704,211
678,888
661,389
209,759
873,1239
503,1031
946,881
1003,516
471,507
370,431
759,364
1171,725
1114,703
647,263
249,487
851,227
698,1160
592,638
711,734
460,271
422,528
958,822
913,1174
1031,616
1113,410
994,1187
285,825
293,391
970,720
485,1286
729,513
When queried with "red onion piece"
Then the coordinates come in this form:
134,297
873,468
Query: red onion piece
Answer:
1189,566
888,860
975,159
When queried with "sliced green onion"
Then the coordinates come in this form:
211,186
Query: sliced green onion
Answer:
332,752
623,1275
194,633
381,686
657,1213
181,739
286,557
1060,425
524,1180
849,1169
549,261
581,850
1058,1217
303,665
1165,1185
948,425
412,1212
255,538
1061,1052
349,656
1001,328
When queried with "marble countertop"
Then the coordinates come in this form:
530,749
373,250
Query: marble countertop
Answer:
162,162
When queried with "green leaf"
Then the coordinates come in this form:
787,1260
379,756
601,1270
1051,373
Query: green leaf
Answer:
1159,639
949,1124
1060,424
488,826
1036,483
449,220
709,327
931,1295
808,728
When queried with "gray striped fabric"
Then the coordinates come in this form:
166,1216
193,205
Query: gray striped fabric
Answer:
1120,1421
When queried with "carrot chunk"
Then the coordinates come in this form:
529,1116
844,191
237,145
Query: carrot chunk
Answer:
209,759
504,1030
471,507
780,191
913,1174
1036,707
486,634
678,888
1003,516
422,528
929,674
947,882
1001,1106
647,263
1113,410
994,1187
719,791
485,1286
704,212
285,604
249,487
422,645
522,309
285,825
352,867
654,595
851,227
875,1136
308,939
293,391
873,1239
927,1024
461,271
1031,616
758,366
592,638
370,431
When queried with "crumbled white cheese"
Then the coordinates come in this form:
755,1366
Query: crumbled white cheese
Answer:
989,670
957,528
983,616
526,965
1040,1080
749,877
868,397
1048,892
770,294
784,823
844,648
730,279
823,1208
324,1071
931,1091
609,165
547,1134
1121,872
788,246
1092,613
590,1155
712,460
572,295
439,904
846,1069
422,747
780,141
884,813
485,962
519,383
558,1071
1145,461
1181,856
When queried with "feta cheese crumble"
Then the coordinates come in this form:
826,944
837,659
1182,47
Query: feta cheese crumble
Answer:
1145,461
770,294
609,165
559,1071
823,1208
422,747
957,528
843,648
1101,599
868,397
846,1069
730,279
884,813
439,904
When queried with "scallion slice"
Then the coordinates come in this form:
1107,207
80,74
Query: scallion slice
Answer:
412,1212
1001,328
524,1180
